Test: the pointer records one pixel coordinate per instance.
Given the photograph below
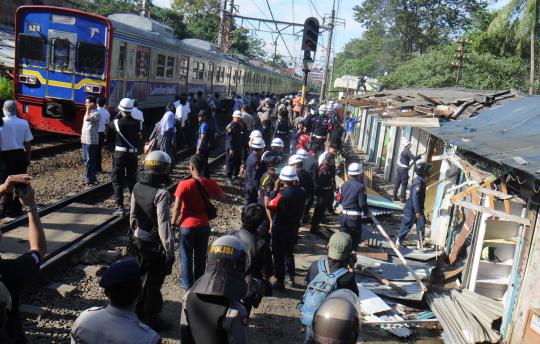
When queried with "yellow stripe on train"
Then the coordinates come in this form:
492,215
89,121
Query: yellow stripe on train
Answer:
77,86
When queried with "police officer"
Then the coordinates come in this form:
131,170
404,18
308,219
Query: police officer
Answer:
414,208
255,168
276,149
211,310
116,323
337,320
204,139
151,241
283,127
305,179
402,177
287,206
324,188
259,267
266,188
234,146
320,131
124,165
353,198
311,166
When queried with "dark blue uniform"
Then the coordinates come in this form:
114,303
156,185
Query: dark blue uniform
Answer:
254,170
414,205
268,181
235,143
323,190
283,128
402,176
287,208
204,146
308,123
320,131
353,199
310,165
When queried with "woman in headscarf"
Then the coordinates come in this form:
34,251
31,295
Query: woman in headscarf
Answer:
166,132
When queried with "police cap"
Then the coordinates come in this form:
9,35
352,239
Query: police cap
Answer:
121,273
422,168
158,162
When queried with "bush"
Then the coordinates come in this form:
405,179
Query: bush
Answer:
6,89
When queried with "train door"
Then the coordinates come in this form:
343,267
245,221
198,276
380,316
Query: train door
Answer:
60,76
229,72
210,76
120,88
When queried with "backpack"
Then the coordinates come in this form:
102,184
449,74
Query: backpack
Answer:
317,290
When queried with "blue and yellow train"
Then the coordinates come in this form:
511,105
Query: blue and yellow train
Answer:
62,55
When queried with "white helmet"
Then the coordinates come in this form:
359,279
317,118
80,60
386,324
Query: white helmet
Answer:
311,102
331,104
354,169
337,105
237,114
255,134
277,142
288,173
295,159
257,143
322,108
126,105
302,152
405,143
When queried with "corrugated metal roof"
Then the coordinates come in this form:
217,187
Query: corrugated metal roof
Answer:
508,134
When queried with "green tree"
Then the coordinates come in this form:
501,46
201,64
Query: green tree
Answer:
521,18
6,89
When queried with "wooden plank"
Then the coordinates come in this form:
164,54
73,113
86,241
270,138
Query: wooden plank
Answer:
462,236
502,195
506,201
417,122
369,302
372,253
502,215
490,197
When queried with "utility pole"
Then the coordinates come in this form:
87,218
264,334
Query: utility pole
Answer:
460,58
326,73
275,53
229,26
145,11
221,25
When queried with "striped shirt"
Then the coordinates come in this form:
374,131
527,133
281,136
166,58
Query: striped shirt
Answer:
89,131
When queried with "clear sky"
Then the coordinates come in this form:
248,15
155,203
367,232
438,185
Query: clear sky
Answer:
297,11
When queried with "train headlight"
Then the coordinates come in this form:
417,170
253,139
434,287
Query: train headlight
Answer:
89,88
28,79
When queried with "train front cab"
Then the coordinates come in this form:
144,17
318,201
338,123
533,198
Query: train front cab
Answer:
61,57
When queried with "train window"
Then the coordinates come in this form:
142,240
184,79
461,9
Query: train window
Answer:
122,59
60,52
160,66
229,70
201,71
90,57
142,60
31,47
210,71
195,70
169,71
183,66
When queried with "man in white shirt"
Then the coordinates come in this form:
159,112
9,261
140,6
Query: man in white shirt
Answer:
181,116
249,121
15,144
104,118
136,113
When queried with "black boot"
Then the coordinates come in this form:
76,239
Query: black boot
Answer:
157,324
395,199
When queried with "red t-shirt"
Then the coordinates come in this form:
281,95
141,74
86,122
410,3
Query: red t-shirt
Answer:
193,207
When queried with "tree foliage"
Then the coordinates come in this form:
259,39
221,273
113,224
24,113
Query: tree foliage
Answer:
6,89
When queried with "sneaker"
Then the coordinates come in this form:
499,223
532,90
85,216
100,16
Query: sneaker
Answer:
395,198
157,324
119,211
403,200
398,242
91,184
289,281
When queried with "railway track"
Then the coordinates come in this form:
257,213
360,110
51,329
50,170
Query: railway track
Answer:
65,239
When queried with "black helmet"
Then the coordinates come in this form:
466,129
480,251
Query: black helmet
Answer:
225,269
157,162
422,168
337,320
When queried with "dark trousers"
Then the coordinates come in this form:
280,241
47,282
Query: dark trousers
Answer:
99,168
251,194
193,245
352,225
320,207
317,146
233,163
153,268
124,171
14,163
180,139
402,179
409,219
204,154
307,207
282,252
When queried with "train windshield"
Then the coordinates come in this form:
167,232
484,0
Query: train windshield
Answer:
90,57
60,52
32,47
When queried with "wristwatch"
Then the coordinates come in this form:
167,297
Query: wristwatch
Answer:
31,208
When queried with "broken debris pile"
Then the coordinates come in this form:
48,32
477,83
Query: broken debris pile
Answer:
465,316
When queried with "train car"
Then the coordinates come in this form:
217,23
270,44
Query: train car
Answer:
63,55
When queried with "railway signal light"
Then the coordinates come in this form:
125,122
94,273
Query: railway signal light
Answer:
310,35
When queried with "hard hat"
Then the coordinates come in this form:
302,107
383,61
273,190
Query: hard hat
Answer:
237,114
267,100
303,140
277,142
311,102
288,173
295,159
126,105
225,269
257,143
322,108
422,168
255,134
157,162
354,169
337,105
338,318
331,103
302,152
405,143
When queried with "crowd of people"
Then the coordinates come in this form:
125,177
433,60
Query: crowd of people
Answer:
284,155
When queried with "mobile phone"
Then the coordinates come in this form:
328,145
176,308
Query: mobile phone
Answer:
20,187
